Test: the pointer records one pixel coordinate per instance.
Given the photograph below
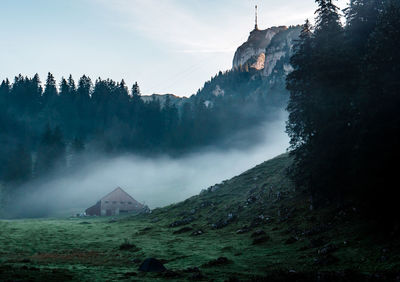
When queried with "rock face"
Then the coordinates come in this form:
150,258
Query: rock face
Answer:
281,47
265,48
253,50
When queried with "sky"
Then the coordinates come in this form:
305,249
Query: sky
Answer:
167,46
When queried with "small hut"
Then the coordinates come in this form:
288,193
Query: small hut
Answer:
114,203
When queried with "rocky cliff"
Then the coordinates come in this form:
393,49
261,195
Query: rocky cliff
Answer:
265,48
260,66
253,50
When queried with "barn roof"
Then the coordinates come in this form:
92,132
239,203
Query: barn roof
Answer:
119,195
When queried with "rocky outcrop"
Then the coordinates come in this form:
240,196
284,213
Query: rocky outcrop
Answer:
265,48
254,48
281,46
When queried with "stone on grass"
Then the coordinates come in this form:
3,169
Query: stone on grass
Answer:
152,265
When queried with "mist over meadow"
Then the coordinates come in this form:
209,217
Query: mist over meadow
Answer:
155,181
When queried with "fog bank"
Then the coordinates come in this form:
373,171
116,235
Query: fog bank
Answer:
155,181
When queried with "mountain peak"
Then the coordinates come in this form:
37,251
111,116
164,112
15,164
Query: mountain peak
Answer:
252,51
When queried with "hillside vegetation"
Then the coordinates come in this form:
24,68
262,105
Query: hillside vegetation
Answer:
253,227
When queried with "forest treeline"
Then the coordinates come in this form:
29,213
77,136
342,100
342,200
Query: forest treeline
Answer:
344,121
49,126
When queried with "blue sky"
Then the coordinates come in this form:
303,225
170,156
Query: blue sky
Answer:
168,46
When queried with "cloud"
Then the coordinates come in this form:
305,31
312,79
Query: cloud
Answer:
175,24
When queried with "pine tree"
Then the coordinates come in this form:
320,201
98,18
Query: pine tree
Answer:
51,153
319,105
50,91
19,165
72,86
300,84
5,89
64,88
378,121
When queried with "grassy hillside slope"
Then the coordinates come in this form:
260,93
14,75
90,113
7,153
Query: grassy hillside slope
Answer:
254,227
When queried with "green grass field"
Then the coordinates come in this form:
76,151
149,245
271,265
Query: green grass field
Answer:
295,243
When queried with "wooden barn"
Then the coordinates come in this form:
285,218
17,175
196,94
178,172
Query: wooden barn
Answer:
116,202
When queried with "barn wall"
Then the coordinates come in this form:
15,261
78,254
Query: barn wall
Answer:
94,210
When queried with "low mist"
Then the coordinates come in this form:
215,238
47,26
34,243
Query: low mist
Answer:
156,181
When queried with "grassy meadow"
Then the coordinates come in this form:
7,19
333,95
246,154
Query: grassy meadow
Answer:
254,227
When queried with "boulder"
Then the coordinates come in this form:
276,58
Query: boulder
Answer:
184,221
197,233
152,265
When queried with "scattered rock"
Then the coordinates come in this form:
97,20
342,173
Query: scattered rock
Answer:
327,249
210,189
251,199
214,188
152,265
183,230
205,204
243,230
197,233
184,221
224,222
113,220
